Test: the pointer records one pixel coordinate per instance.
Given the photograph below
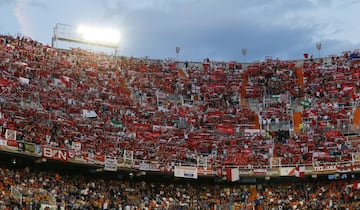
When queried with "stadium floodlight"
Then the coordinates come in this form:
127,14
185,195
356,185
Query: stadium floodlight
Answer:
96,35
108,38
244,51
318,47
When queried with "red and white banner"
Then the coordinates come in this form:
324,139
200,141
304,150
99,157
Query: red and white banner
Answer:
329,168
55,153
90,157
344,168
299,171
260,171
355,166
205,171
286,171
12,144
347,87
320,154
10,134
232,174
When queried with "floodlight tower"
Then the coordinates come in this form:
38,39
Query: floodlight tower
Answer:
177,49
86,35
318,47
244,51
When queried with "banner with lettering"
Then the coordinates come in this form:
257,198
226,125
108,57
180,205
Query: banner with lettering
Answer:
110,163
260,171
55,153
325,168
355,166
12,144
206,171
149,167
344,168
186,172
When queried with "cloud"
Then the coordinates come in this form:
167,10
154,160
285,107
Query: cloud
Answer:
124,5
206,28
20,11
23,13
224,42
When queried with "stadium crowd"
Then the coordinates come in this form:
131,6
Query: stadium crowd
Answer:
171,112
73,190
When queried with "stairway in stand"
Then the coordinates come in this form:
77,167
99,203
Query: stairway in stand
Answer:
297,119
256,122
300,80
243,89
356,118
276,158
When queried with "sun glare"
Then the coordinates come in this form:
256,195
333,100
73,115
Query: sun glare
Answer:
93,34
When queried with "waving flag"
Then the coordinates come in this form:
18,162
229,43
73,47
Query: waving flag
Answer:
232,174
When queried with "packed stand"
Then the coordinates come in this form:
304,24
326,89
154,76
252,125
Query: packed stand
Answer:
74,190
165,113
79,191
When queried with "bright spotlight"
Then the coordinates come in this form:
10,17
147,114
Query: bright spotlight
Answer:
96,35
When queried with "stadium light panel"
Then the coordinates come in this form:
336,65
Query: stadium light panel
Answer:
95,35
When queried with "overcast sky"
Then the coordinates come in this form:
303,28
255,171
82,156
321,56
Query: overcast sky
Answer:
217,29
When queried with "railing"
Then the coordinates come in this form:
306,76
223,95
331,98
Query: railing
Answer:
204,169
